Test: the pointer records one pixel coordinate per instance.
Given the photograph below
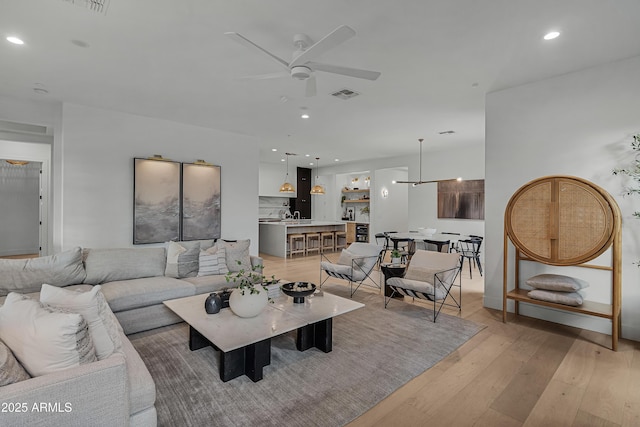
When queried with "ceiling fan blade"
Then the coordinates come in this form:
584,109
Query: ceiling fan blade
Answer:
251,45
310,89
265,76
331,40
346,71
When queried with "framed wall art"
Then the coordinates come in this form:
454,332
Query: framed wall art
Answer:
156,201
463,200
200,201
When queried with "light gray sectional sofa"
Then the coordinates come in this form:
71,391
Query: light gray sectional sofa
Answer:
117,390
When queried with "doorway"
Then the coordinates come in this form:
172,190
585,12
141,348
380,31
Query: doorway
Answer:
21,207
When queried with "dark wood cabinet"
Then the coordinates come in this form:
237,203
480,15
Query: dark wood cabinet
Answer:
302,203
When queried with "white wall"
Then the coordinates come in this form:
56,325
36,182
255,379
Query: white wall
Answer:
386,215
576,124
97,180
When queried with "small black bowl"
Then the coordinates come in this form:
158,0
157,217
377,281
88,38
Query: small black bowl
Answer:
298,290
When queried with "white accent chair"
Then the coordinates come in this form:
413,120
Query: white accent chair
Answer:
430,276
354,265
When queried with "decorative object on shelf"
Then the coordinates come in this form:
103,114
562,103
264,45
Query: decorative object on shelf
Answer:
298,290
201,201
213,303
365,210
367,181
395,257
250,296
287,187
634,173
317,189
420,181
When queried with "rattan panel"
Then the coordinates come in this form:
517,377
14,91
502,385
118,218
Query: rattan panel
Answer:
530,220
585,222
560,220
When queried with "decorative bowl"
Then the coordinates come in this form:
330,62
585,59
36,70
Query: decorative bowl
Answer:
298,290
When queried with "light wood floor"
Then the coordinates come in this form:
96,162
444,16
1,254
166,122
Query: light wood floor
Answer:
526,372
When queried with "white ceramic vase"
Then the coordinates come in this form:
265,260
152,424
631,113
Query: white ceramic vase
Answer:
248,305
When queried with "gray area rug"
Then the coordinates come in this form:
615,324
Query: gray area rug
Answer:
375,351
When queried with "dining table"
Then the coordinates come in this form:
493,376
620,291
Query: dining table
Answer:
438,239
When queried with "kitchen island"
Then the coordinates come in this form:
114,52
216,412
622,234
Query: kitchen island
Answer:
274,235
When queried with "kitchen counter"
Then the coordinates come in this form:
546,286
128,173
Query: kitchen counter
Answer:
274,234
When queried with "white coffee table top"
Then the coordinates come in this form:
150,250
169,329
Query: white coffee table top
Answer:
229,331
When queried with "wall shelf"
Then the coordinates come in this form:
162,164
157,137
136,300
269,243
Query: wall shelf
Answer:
363,190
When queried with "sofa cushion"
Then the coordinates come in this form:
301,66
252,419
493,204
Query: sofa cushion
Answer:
108,265
103,325
206,284
11,371
129,294
43,338
418,286
237,253
182,261
27,275
202,244
212,261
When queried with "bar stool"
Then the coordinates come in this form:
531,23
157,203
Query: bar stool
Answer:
296,244
327,243
313,242
340,239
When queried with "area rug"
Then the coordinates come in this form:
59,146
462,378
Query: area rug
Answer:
375,351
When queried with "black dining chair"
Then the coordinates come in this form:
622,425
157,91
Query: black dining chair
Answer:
470,249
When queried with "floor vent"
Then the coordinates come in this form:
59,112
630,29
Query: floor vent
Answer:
99,6
345,94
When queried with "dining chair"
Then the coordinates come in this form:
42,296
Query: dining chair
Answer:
470,249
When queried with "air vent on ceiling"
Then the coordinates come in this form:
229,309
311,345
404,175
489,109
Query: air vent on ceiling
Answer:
345,94
99,6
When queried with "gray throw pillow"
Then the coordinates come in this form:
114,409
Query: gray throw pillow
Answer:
565,298
236,250
11,371
557,282
182,261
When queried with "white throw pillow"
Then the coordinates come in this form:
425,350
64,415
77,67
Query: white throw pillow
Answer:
213,261
92,305
44,339
347,258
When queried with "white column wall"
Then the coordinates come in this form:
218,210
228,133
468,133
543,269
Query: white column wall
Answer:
577,124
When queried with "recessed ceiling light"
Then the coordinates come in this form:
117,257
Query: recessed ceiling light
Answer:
14,40
307,155
551,35
311,164
305,116
336,160
282,160
274,149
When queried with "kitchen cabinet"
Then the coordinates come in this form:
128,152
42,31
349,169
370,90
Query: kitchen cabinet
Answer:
302,202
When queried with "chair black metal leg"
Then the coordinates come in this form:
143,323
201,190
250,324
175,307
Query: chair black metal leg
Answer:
479,265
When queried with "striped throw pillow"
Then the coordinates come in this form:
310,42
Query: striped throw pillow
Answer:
213,261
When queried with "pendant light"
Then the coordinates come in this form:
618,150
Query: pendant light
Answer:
317,189
420,181
287,187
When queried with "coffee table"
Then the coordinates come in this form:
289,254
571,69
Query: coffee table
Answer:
245,343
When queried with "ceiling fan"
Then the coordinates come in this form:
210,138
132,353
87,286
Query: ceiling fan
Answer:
302,65
420,181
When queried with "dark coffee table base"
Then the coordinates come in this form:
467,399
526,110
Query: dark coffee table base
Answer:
250,360
318,335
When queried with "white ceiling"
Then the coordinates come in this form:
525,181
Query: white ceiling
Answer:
438,59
